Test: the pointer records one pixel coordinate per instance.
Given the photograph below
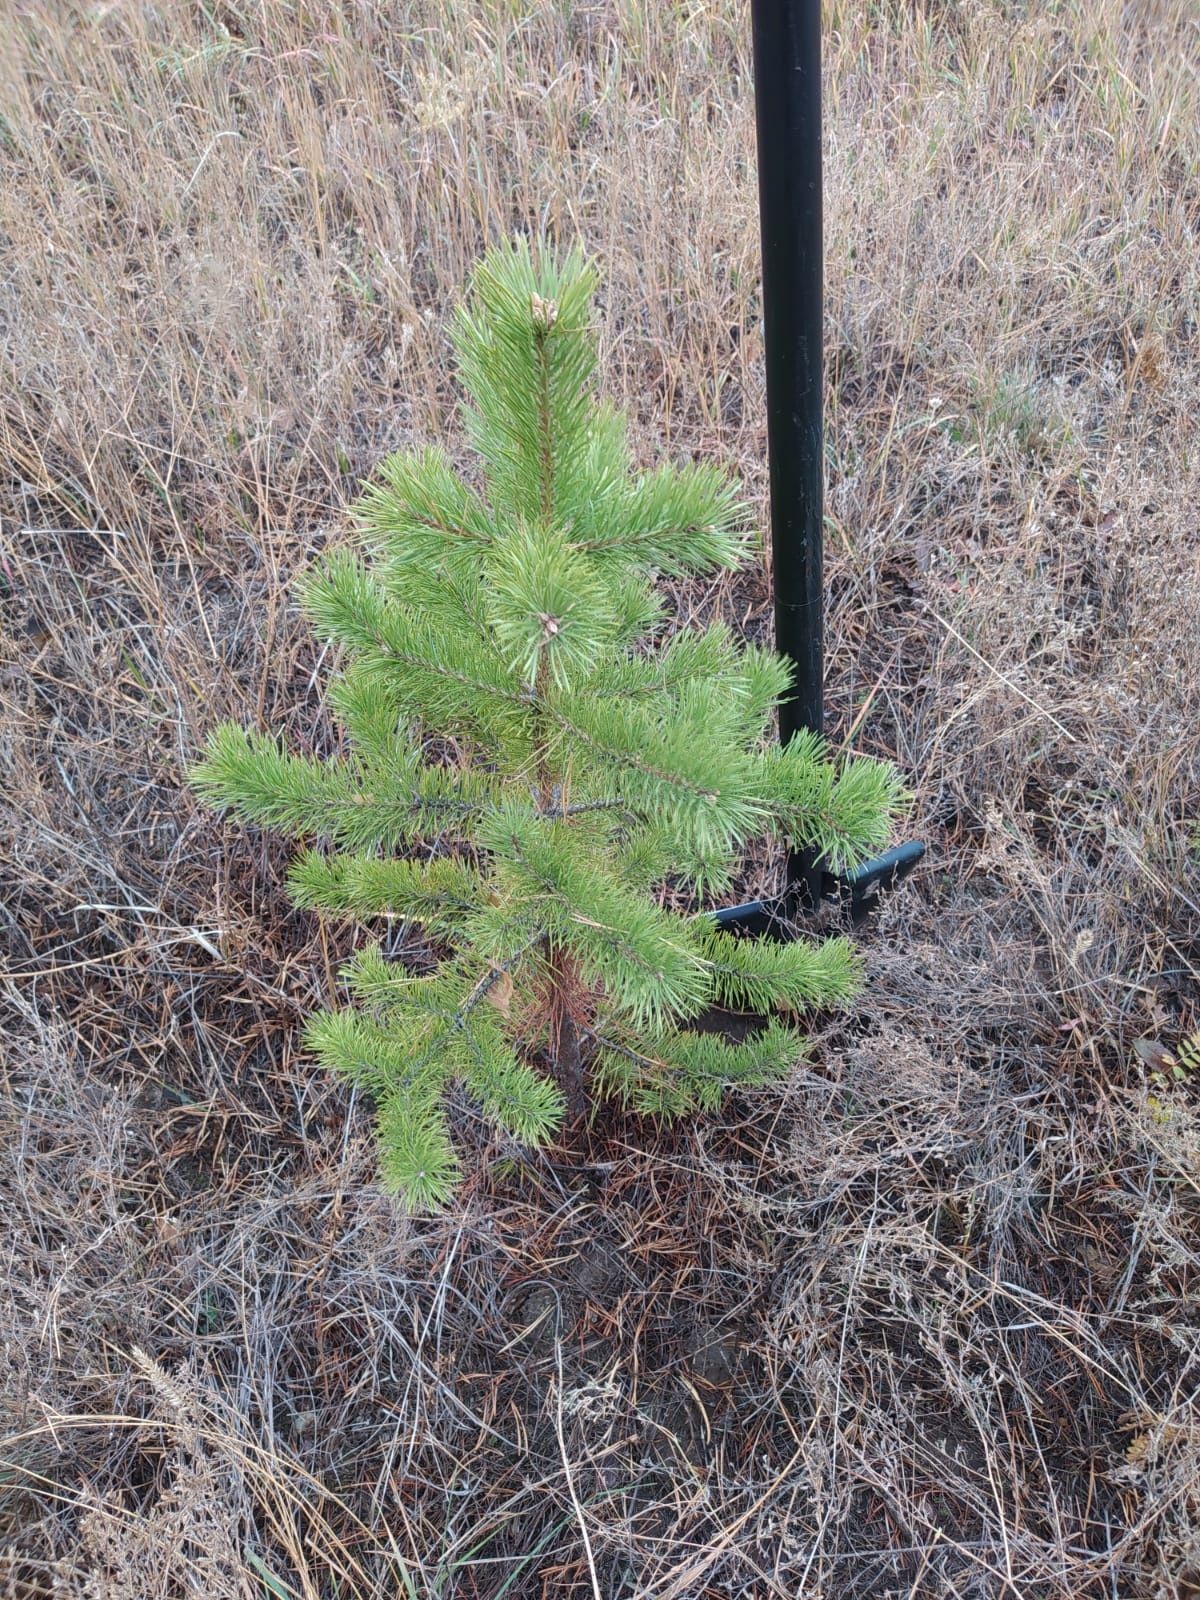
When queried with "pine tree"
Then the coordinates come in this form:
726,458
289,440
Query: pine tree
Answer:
531,752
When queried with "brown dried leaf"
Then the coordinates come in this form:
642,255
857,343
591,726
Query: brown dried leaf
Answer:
1156,1056
501,992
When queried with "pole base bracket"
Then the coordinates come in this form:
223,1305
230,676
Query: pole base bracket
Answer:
861,888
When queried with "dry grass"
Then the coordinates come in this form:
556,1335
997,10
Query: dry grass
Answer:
922,1324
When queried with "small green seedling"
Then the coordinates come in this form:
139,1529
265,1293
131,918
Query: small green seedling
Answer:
532,751
1167,1069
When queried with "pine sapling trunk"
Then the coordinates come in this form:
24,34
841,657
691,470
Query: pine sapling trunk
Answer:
567,1057
562,983
565,1053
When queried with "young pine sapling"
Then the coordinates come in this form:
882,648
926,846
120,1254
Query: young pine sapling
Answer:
531,752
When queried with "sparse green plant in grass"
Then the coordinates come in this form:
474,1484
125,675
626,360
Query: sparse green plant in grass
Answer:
531,752
1169,1068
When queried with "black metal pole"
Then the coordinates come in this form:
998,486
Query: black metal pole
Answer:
787,93
787,86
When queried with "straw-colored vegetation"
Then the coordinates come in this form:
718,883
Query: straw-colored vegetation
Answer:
923,1322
